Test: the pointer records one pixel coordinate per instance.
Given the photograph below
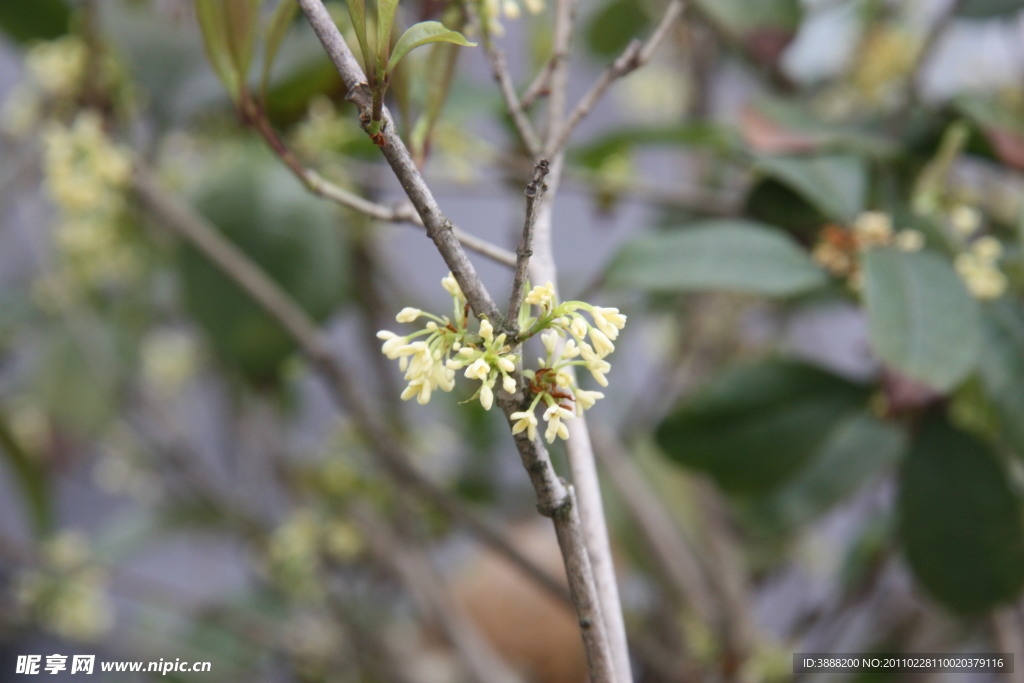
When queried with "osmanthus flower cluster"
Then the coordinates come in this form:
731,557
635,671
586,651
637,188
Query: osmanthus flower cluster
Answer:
574,333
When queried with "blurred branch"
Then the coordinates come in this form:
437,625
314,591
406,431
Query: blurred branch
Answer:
499,69
555,499
438,226
534,195
580,453
927,49
675,561
320,186
265,292
633,57
558,83
418,575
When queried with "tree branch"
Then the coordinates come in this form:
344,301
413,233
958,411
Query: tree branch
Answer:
321,187
438,227
632,58
554,498
534,195
499,68
565,14
423,583
266,293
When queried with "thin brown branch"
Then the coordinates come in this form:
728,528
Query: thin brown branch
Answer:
321,187
438,227
516,111
565,15
632,58
423,583
927,49
554,498
267,294
676,562
537,88
534,195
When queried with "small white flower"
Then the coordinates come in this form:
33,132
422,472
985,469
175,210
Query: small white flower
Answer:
541,295
570,350
408,314
550,340
478,370
452,286
508,384
486,330
987,248
525,420
873,228
392,345
578,328
586,399
608,320
506,364
965,219
601,343
556,428
556,412
486,396
909,240
598,368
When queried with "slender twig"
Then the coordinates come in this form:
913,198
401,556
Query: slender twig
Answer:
677,562
534,195
437,225
423,583
580,453
266,293
537,88
396,213
926,51
554,498
499,68
632,58
565,14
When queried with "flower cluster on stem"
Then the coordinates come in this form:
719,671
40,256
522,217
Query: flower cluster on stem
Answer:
574,333
431,355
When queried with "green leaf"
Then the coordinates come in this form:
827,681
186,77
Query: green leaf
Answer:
357,12
741,16
277,29
921,319
758,424
440,64
960,521
987,9
716,138
257,204
740,256
29,470
1002,367
36,20
796,119
614,26
213,24
421,34
836,184
385,25
242,21
858,450
166,62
